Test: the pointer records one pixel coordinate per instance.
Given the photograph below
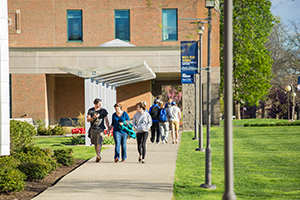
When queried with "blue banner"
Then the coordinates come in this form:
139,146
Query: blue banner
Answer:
189,57
187,78
298,84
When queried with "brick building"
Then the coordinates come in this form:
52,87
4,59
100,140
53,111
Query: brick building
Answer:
44,35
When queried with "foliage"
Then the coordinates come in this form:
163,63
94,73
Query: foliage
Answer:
35,163
56,130
174,92
77,139
266,164
108,140
21,135
64,156
11,179
252,24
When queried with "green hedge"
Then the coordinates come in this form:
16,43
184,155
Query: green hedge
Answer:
64,156
21,135
11,178
295,123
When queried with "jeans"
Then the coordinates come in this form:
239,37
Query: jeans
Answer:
120,140
164,130
154,127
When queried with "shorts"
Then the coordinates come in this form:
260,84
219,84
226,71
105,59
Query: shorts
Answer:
175,124
97,136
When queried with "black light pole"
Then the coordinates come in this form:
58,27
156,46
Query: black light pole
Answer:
228,102
200,30
196,117
207,185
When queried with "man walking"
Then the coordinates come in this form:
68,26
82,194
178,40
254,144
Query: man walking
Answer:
155,124
96,116
175,118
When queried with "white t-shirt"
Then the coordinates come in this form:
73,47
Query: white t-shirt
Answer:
174,110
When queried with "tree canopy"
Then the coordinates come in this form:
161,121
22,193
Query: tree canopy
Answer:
252,62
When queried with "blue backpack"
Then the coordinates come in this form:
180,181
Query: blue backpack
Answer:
163,115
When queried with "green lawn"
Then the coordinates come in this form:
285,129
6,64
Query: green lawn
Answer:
266,164
79,151
241,122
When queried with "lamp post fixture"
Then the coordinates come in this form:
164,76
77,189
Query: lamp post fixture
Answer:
200,30
293,109
209,4
288,89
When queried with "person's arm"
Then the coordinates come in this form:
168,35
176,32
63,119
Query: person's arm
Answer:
149,119
179,114
107,122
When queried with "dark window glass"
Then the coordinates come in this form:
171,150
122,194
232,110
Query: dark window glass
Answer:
169,24
74,25
122,26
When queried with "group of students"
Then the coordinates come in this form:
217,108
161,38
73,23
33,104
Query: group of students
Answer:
141,123
164,117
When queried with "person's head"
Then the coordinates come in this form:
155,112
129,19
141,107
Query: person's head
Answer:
161,104
156,101
173,103
118,107
97,102
141,106
170,100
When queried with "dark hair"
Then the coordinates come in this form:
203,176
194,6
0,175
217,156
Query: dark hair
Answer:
142,105
118,105
97,100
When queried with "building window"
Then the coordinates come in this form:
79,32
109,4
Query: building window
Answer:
74,25
169,24
122,25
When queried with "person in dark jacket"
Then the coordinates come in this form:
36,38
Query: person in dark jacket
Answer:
155,126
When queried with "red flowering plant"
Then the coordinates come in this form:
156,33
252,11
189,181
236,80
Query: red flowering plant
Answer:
108,137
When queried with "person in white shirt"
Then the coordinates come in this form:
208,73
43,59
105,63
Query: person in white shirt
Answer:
174,121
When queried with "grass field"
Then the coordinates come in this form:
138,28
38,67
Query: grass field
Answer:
79,151
266,164
241,122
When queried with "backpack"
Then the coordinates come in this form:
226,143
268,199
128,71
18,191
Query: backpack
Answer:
163,115
154,112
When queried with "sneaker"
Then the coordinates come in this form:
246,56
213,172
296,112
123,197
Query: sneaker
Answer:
166,140
143,161
98,158
173,142
116,160
157,142
163,141
176,141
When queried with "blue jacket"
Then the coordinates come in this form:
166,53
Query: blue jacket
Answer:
153,120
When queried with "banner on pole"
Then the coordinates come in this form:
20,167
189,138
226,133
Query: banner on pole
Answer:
187,78
189,57
298,84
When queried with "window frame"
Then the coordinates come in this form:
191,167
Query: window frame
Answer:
68,40
115,25
162,33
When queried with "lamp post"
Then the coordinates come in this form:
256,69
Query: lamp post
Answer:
200,30
288,89
209,4
293,109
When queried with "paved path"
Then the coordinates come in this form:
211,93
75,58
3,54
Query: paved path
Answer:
129,180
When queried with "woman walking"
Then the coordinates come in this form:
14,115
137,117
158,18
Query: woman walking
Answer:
142,121
120,136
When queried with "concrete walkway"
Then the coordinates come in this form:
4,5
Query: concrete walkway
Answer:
128,180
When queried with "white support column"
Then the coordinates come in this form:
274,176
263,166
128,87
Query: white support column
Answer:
4,81
88,98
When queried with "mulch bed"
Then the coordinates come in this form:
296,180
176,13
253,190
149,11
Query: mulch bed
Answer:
35,187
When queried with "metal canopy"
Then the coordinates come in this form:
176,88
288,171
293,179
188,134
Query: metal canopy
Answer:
114,75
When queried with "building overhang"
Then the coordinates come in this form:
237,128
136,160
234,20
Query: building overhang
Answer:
116,75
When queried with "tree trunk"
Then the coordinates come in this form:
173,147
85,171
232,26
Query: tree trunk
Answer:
237,111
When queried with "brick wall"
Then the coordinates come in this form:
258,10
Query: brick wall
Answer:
69,97
130,95
28,95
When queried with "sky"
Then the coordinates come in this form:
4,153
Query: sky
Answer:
286,9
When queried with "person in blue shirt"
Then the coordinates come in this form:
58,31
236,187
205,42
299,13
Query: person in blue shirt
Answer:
120,136
155,126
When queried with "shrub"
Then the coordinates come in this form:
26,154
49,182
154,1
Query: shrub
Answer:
21,135
11,179
296,123
35,163
57,130
77,139
246,125
108,139
64,156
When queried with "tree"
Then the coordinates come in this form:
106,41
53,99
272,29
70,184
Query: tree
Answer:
252,63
